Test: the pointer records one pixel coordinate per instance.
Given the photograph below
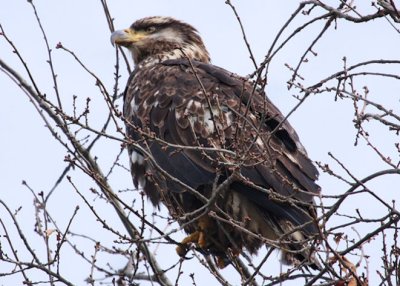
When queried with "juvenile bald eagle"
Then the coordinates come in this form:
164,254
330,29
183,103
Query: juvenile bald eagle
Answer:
214,149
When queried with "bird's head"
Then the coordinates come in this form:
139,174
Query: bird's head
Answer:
155,39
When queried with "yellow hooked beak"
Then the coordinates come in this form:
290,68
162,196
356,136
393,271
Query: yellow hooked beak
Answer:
127,37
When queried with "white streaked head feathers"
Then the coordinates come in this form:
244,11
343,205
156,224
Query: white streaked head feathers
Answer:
155,39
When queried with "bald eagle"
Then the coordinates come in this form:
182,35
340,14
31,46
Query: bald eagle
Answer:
213,148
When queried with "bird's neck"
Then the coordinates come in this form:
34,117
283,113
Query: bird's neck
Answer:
190,52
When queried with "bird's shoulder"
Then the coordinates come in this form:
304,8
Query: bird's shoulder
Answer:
196,88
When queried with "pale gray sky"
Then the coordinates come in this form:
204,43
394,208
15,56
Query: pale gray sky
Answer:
28,152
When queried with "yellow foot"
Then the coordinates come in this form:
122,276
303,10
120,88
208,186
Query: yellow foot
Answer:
183,247
221,262
198,237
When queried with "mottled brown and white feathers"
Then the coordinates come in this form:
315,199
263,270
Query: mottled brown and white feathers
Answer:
193,126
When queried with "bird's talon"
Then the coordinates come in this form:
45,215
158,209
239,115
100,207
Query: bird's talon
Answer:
221,262
181,250
183,247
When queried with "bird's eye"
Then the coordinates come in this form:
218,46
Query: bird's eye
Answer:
150,29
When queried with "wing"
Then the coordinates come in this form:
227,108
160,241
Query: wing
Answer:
194,120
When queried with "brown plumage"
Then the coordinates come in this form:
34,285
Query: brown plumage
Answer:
214,149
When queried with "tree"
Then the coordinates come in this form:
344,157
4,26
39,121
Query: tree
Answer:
90,223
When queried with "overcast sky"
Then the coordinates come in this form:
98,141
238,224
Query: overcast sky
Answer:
28,152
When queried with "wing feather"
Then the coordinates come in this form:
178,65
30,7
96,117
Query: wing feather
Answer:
228,113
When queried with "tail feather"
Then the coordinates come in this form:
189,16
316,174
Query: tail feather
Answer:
296,247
